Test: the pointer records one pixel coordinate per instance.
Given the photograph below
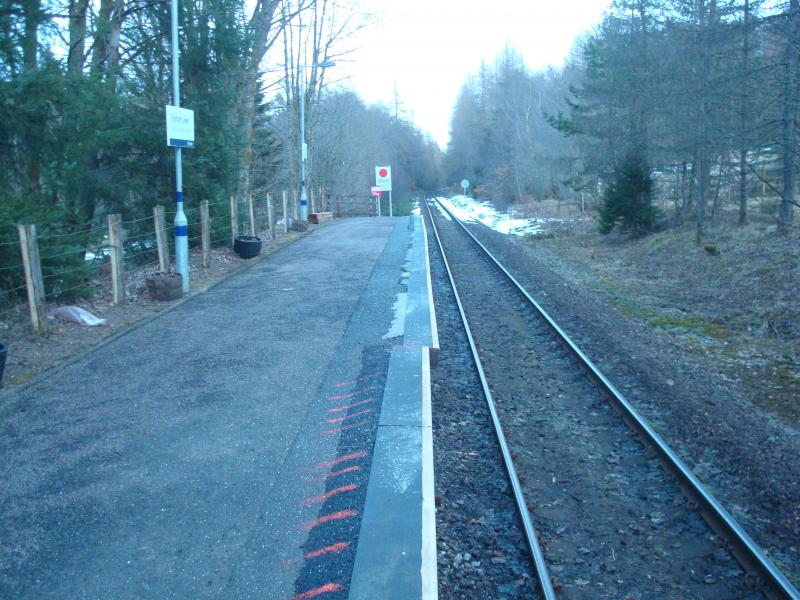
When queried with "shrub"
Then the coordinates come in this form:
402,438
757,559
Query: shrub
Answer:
628,199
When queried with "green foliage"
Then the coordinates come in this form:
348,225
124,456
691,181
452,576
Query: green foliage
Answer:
628,199
403,206
62,250
79,143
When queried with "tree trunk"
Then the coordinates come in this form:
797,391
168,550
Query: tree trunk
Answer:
745,113
77,35
102,28
701,191
107,39
785,211
30,57
260,25
30,44
703,146
117,15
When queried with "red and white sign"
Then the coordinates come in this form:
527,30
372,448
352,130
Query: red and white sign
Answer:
375,191
383,178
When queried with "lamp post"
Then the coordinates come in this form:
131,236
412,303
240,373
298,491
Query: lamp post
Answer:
181,224
303,147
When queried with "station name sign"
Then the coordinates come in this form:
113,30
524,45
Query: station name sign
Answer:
180,127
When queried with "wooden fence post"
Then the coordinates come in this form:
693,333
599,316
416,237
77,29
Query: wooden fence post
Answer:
33,276
285,213
270,216
251,208
311,198
161,238
234,219
295,206
115,243
323,204
205,233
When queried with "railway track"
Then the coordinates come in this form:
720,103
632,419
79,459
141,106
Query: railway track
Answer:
608,509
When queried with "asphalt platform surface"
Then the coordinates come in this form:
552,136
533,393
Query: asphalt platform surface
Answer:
221,450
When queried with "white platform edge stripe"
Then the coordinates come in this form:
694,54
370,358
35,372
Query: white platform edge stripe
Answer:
428,573
434,328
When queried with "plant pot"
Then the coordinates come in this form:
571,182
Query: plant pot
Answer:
3,354
165,286
299,225
247,246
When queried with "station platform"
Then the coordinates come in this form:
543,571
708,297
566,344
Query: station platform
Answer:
267,438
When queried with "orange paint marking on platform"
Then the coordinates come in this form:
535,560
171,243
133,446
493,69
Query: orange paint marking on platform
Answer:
345,383
333,474
329,494
337,516
344,428
340,459
323,589
348,417
342,396
336,409
338,547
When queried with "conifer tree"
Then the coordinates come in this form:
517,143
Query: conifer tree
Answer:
628,199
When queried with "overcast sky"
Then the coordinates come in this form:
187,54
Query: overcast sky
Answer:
429,47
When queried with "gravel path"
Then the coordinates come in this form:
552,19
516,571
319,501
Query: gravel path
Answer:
612,526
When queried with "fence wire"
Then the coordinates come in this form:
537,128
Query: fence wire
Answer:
89,248
132,221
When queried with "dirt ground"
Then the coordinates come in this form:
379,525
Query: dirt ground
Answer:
30,354
730,304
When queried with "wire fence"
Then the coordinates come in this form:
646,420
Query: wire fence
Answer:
73,264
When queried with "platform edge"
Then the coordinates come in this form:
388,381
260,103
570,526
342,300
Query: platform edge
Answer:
428,570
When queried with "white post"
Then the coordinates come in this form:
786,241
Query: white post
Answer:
205,233
234,219
117,255
270,216
251,208
285,213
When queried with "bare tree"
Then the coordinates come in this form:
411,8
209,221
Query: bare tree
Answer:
789,121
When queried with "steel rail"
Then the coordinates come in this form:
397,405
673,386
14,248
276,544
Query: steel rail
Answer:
745,549
542,574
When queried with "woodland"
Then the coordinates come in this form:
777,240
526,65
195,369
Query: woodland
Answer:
700,95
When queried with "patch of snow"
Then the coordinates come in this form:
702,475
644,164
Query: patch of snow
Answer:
443,211
76,314
90,256
399,321
469,210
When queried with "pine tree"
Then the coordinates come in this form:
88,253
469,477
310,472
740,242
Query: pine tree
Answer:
628,200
